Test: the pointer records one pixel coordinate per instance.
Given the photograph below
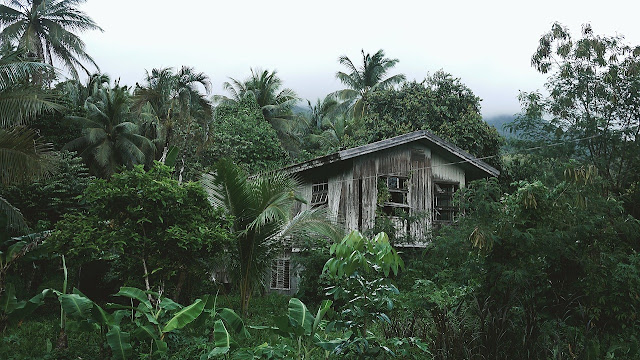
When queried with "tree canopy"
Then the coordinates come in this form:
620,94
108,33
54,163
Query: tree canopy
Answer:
441,104
45,29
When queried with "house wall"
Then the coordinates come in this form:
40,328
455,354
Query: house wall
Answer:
353,184
353,187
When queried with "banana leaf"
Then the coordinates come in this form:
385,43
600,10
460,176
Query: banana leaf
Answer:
234,322
301,318
75,305
185,316
120,343
135,293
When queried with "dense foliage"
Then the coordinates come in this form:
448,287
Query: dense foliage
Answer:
132,221
240,133
441,104
99,248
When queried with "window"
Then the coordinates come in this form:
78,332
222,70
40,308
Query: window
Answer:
393,204
444,210
393,194
280,274
320,194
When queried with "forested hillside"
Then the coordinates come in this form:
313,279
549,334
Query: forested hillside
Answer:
143,221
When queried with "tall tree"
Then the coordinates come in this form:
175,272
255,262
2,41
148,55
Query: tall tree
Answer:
441,104
110,137
593,102
261,208
23,154
175,111
150,223
322,109
45,28
361,81
240,133
266,87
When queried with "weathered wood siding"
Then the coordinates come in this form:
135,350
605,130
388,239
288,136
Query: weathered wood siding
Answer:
353,184
444,170
399,161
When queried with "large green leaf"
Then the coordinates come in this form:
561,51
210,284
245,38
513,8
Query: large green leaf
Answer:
209,310
217,352
172,154
8,301
159,347
221,336
14,250
234,322
169,305
119,342
76,305
284,327
145,332
185,316
301,318
25,308
100,316
136,294
322,310
329,345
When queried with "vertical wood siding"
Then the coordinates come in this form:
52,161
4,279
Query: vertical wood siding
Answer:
353,184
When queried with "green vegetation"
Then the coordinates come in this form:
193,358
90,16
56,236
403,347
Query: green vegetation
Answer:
155,239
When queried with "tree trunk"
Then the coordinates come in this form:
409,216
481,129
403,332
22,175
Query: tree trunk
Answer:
181,280
146,280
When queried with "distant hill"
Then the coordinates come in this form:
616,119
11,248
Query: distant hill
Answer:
499,121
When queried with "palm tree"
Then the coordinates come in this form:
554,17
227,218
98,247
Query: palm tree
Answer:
76,93
336,132
262,211
45,28
168,102
265,86
362,81
23,154
110,139
322,109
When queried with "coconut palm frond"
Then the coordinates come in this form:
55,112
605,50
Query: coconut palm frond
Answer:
109,141
46,30
23,156
360,81
261,208
14,216
18,104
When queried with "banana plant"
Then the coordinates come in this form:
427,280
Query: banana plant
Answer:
224,320
13,311
91,316
151,321
300,325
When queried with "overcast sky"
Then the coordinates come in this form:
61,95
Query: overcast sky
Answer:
488,44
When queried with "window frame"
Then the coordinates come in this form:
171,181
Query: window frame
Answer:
319,194
401,190
280,274
448,195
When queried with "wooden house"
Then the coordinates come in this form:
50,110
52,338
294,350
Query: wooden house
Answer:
412,175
